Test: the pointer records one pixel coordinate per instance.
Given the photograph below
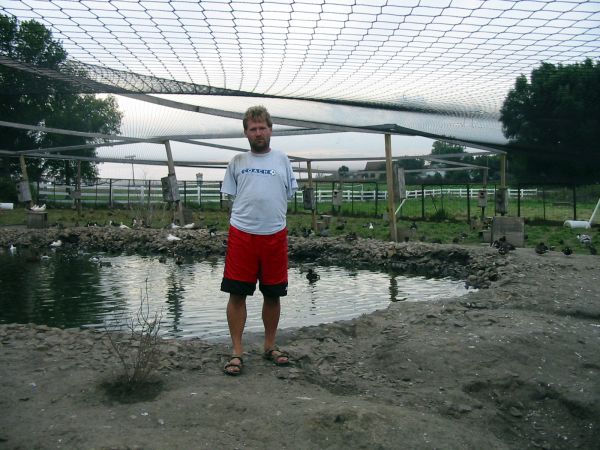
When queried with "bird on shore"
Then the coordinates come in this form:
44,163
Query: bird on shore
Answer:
56,244
306,232
312,276
189,226
541,248
341,226
567,251
172,238
173,226
351,237
122,226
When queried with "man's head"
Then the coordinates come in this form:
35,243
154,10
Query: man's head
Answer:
258,127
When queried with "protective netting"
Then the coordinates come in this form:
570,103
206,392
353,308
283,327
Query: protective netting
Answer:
450,63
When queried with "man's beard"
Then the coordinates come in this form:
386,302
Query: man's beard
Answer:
260,147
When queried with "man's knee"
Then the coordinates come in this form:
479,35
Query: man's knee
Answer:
271,301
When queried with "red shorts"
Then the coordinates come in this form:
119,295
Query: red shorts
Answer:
252,257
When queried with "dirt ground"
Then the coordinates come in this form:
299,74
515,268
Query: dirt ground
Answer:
516,366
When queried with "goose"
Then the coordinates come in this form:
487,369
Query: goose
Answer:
172,238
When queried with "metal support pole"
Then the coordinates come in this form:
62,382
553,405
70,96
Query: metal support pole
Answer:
390,188
25,177
171,166
310,185
502,170
78,189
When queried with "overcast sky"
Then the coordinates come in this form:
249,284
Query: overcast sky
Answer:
146,120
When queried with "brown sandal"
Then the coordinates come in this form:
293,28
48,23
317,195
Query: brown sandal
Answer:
275,355
231,363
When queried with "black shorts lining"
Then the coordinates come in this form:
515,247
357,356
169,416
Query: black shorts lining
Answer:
237,287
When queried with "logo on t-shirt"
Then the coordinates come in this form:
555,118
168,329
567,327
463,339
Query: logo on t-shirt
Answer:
259,171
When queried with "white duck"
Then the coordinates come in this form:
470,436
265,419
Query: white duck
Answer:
172,238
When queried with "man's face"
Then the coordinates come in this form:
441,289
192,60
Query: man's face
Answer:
259,135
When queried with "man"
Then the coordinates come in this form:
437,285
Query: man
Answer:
261,182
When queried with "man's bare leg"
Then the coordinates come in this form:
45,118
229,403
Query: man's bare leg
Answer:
270,315
236,319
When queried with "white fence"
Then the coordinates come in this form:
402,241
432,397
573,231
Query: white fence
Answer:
142,192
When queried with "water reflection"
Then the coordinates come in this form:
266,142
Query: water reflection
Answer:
68,291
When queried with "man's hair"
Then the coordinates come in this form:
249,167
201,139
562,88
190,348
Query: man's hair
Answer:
257,113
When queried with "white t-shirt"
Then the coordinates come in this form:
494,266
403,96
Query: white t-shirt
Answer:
262,185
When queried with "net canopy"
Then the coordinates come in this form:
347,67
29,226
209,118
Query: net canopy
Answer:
328,70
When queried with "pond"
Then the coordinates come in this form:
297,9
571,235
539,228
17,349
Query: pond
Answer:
91,290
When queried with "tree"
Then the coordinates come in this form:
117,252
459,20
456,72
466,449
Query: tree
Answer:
32,99
553,121
343,172
446,148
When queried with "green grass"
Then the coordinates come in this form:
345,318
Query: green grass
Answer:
445,231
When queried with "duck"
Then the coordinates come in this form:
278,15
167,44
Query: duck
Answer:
162,259
306,232
123,226
179,260
56,244
189,226
541,248
173,226
172,238
567,251
312,276
12,249
413,226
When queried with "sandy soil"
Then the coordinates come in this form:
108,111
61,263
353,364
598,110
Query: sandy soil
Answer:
515,366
